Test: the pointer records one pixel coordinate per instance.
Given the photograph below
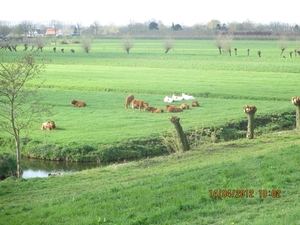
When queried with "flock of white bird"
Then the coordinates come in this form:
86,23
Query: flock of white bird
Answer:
175,98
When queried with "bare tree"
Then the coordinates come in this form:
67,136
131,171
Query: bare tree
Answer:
27,27
86,42
96,28
227,43
218,42
40,43
56,27
168,44
4,30
20,106
283,44
127,43
77,29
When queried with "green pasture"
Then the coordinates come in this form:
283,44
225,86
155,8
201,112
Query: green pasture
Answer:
172,189
105,76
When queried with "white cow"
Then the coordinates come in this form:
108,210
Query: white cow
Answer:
168,99
177,98
187,97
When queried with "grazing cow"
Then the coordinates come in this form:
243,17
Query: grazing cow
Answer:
171,108
154,110
49,125
78,103
187,97
195,104
177,98
128,100
184,106
168,99
139,104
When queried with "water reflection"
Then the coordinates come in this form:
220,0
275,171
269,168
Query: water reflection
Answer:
41,168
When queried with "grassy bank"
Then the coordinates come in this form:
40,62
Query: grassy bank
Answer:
172,189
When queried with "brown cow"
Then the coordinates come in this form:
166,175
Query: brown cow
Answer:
171,108
139,104
185,106
195,104
154,110
78,103
128,100
49,125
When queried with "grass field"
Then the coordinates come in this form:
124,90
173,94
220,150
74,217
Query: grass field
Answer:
105,76
168,189
172,189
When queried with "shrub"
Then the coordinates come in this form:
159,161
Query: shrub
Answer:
8,165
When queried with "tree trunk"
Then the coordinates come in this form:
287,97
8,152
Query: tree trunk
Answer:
296,102
175,120
19,168
298,117
250,111
250,127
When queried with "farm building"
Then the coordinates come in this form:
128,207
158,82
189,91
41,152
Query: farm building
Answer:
53,32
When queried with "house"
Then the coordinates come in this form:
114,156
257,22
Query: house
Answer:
53,32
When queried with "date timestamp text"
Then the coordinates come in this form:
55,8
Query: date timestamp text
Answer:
244,193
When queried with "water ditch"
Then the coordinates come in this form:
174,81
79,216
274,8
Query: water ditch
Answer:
33,168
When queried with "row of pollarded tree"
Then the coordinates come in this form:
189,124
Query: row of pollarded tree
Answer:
30,44
250,110
38,43
128,43
224,44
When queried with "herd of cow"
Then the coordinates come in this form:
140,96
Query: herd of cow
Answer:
138,104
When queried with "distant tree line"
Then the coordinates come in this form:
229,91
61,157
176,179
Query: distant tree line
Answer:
26,28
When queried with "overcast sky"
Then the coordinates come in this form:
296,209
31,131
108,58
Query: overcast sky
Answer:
122,12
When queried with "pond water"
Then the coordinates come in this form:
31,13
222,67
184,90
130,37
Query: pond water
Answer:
41,168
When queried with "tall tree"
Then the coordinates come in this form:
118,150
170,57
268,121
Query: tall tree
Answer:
77,29
153,26
27,27
96,28
4,30
19,105
56,25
